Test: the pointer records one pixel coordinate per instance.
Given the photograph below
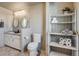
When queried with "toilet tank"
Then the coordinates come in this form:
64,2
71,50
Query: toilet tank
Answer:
37,37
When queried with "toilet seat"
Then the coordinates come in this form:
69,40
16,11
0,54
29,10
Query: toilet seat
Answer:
33,46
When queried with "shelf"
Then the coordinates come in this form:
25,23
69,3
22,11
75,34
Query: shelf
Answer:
53,53
61,46
61,34
61,15
63,23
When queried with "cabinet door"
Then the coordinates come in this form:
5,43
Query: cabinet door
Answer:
1,37
7,39
12,41
16,42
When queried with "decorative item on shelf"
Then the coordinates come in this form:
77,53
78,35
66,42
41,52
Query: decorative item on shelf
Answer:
70,32
65,42
61,41
67,10
54,20
67,31
68,42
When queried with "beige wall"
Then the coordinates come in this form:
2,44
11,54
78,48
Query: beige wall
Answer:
38,20
6,16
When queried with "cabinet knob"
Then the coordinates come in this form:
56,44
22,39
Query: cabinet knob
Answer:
26,37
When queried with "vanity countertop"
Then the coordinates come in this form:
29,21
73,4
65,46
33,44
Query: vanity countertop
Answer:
12,33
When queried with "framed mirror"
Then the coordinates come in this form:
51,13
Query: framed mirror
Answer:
16,25
25,22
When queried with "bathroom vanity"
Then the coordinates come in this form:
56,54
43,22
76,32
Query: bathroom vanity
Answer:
13,40
18,40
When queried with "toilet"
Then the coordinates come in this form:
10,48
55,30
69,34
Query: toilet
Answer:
34,46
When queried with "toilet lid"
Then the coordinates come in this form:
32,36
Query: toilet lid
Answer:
32,45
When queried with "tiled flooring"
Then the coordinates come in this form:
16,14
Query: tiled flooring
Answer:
7,51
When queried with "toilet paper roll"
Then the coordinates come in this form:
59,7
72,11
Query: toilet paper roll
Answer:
64,41
68,44
61,43
60,39
68,40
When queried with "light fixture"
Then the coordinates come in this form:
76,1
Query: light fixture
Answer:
20,13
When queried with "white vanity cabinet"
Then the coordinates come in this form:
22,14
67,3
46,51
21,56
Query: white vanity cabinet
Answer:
1,37
13,41
16,42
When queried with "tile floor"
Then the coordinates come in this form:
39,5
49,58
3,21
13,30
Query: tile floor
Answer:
7,51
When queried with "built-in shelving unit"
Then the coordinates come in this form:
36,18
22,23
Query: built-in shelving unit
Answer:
60,15
61,34
63,23
53,53
61,46
54,32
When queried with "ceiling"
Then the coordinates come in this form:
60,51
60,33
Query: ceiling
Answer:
15,6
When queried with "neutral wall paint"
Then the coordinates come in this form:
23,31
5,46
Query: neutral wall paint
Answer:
36,18
38,21
7,17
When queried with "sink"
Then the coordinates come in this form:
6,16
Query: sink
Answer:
13,33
